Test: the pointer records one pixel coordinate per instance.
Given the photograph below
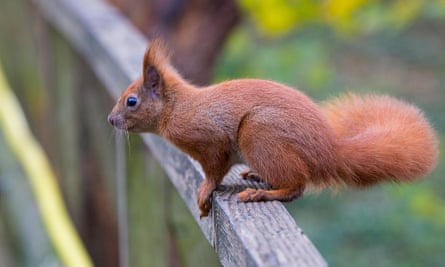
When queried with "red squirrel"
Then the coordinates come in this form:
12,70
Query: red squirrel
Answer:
286,139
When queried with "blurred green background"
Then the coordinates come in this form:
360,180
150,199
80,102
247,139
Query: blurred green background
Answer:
323,48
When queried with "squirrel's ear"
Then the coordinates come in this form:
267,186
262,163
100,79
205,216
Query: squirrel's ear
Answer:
155,59
152,80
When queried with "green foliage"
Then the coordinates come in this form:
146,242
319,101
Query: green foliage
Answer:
279,17
375,227
303,64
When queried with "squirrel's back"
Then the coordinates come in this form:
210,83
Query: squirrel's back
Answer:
382,138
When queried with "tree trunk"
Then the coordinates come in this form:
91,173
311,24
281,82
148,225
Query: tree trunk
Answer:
194,29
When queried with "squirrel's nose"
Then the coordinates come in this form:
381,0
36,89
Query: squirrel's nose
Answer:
111,119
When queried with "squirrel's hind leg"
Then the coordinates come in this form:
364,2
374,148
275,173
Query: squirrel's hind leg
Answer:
284,194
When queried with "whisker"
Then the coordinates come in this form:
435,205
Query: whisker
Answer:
112,135
127,139
122,133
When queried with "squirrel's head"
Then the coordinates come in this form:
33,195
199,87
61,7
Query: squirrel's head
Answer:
139,107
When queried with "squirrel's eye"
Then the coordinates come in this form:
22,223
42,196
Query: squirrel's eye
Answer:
132,101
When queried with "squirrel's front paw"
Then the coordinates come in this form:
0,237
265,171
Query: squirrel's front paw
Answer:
204,206
205,198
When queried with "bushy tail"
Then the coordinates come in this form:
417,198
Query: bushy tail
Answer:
382,139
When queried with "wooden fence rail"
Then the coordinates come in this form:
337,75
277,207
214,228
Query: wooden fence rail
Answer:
242,234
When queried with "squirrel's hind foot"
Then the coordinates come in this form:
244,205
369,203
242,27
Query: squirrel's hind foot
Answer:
252,194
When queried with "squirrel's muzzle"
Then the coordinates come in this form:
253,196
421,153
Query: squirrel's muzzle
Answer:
116,121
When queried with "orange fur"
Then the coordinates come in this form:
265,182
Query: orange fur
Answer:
288,140
383,138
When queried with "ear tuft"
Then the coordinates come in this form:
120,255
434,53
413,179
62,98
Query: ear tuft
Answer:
156,60
156,55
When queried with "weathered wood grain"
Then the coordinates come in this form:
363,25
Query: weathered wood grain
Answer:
243,234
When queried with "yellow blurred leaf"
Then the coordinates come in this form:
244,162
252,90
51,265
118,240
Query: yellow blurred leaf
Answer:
341,9
278,17
340,13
